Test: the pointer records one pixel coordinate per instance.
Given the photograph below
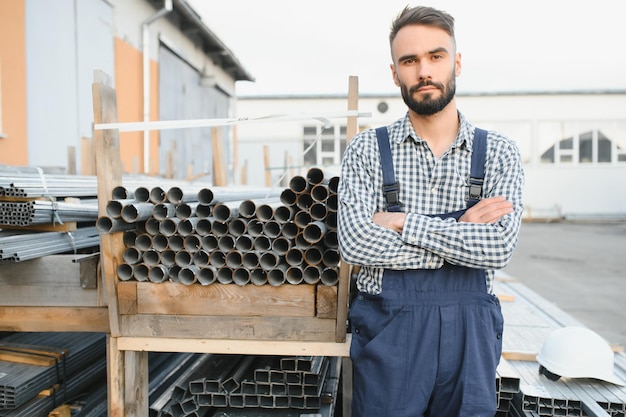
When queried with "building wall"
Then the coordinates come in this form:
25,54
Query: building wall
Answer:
13,120
48,54
569,186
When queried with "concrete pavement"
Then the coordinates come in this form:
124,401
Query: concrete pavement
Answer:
580,267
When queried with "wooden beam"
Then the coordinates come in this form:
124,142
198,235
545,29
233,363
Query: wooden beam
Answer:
115,379
136,399
58,319
109,173
219,159
266,166
343,287
228,346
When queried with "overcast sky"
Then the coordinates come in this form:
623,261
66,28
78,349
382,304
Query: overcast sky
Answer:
301,47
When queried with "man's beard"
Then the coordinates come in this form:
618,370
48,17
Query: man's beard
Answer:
428,105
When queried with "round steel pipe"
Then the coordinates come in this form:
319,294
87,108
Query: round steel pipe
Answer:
188,226
176,243
187,274
168,258
207,275
201,258
143,241
125,272
140,272
276,276
192,243
293,275
162,211
182,258
160,242
241,276
132,255
312,274
258,276
224,275
330,276
244,243
209,242
158,273
314,231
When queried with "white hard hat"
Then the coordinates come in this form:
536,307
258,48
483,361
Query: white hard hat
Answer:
577,352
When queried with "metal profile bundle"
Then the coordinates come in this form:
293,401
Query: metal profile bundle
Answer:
41,406
30,245
26,213
260,382
230,236
507,386
67,352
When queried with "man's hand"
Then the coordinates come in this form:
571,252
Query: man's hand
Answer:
390,220
487,210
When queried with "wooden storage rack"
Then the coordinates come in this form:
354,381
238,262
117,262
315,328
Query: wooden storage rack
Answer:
213,319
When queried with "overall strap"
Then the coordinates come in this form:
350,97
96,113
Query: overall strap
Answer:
390,185
477,170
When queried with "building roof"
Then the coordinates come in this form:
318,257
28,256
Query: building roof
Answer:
190,23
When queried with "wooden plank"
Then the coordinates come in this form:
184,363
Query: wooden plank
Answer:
226,299
136,383
53,280
326,302
47,296
58,319
242,347
343,287
71,160
266,164
109,173
229,327
115,378
219,159
26,358
87,159
127,293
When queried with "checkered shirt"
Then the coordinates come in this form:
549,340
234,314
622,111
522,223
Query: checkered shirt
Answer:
428,185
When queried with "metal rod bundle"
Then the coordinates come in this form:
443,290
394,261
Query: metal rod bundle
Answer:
25,246
25,213
230,236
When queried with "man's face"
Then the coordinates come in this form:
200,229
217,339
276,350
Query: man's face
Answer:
425,66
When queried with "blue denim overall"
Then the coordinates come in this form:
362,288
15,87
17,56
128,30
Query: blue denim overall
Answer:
429,343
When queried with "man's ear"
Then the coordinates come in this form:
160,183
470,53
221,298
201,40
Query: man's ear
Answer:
457,61
394,74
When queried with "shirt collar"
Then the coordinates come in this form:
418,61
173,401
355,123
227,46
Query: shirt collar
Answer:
463,139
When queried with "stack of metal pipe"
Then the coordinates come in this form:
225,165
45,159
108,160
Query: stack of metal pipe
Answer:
229,235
